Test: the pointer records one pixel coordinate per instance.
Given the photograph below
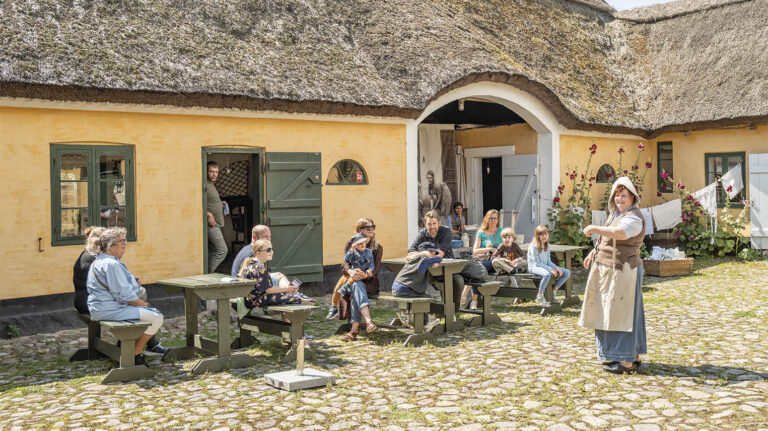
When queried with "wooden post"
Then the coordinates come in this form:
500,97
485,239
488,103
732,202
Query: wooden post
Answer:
300,358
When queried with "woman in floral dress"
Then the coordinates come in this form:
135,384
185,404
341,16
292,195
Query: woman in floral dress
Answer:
264,294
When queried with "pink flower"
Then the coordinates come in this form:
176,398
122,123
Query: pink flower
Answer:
621,150
698,204
572,176
641,146
609,174
625,172
681,186
591,179
593,149
729,188
690,198
582,176
677,233
648,165
691,237
635,167
658,194
664,175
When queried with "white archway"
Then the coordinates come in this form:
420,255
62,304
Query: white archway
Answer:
528,107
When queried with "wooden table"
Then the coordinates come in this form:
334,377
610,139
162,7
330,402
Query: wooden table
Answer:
565,253
446,269
208,287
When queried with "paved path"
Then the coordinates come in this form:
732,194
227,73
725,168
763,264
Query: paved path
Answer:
707,369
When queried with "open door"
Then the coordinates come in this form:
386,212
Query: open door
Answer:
294,214
520,190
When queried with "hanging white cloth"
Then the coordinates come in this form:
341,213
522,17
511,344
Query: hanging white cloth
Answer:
732,178
647,215
598,219
667,215
707,197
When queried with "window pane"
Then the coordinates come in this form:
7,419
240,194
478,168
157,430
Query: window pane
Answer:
112,167
347,172
73,222
74,194
112,216
112,193
74,167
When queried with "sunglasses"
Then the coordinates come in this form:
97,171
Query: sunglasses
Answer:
371,227
266,250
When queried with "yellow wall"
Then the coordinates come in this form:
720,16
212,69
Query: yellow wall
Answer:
168,186
687,156
522,136
574,154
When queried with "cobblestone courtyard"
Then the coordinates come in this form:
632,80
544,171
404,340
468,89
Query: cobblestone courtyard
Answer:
707,368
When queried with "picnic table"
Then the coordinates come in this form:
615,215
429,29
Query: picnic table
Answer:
446,269
208,287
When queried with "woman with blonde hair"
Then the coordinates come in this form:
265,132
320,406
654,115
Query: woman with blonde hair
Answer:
82,265
264,293
488,239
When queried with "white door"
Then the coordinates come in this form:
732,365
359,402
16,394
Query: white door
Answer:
758,193
521,191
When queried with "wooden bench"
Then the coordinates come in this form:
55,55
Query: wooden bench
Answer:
486,291
291,332
525,286
127,332
417,308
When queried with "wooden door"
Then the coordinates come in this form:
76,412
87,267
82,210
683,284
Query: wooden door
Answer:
294,214
520,188
758,193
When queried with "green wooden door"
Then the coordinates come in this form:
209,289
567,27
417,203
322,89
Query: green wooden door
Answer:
294,214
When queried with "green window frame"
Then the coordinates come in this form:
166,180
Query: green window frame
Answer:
347,172
91,182
664,164
715,165
606,174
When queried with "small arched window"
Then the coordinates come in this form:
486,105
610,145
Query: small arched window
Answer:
605,174
347,172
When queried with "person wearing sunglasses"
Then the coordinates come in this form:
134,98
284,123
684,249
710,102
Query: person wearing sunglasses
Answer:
114,293
367,228
264,293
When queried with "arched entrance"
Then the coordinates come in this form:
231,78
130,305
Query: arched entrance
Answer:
525,105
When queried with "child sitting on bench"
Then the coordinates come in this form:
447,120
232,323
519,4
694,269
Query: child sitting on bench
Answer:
509,258
539,263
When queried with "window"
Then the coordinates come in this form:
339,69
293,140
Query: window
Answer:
605,174
664,164
91,185
715,165
347,172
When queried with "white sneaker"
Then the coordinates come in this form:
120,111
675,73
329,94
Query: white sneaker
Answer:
541,301
473,305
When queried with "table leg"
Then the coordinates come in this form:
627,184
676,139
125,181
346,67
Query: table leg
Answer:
451,325
569,298
224,359
222,312
190,316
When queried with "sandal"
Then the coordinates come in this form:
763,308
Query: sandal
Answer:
371,327
349,336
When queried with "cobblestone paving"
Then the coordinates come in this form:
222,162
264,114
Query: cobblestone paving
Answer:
707,368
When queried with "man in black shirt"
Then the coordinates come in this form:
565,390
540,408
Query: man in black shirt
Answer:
434,232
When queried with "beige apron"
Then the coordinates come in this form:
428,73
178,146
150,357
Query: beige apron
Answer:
609,298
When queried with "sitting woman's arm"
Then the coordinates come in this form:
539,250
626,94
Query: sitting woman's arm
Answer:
480,250
122,285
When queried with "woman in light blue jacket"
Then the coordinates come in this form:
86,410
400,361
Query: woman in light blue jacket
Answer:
539,263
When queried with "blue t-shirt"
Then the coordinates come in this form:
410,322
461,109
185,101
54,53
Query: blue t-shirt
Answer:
495,238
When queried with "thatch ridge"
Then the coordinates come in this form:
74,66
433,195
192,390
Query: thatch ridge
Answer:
674,9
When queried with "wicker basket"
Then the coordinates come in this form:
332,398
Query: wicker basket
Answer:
668,268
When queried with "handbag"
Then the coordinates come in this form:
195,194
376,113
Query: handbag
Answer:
474,271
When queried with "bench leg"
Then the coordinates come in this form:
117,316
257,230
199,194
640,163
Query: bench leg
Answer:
419,336
94,333
124,374
244,340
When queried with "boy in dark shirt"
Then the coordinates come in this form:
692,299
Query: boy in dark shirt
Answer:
509,257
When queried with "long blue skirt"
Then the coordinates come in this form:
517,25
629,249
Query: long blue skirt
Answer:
624,346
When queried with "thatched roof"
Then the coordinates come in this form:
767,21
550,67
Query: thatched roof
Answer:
391,57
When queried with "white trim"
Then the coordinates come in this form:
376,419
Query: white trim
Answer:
529,108
12,102
600,134
412,178
474,158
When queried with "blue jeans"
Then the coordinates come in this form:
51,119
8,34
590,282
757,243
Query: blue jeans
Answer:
625,346
358,297
546,274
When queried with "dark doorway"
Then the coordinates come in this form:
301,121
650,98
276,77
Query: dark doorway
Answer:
491,184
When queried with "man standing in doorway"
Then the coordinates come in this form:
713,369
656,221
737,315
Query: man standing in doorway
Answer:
217,247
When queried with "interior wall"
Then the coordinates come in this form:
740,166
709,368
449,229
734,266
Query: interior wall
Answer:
169,186
521,136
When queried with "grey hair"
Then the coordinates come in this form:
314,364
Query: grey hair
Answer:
93,239
110,236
